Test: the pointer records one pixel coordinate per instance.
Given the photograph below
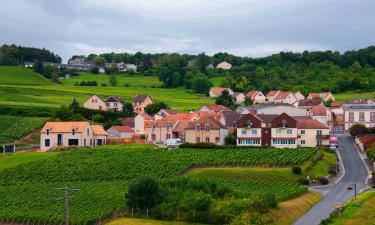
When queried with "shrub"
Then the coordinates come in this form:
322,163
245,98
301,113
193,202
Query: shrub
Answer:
296,170
126,85
319,155
358,129
201,145
332,170
304,181
270,200
323,180
104,85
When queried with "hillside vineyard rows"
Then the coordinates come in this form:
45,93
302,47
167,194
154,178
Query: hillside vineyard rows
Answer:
16,127
103,175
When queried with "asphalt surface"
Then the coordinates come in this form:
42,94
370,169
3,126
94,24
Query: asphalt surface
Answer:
355,173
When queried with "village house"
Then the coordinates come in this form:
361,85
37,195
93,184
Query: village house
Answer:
120,132
165,112
141,121
159,131
256,97
212,108
217,91
140,102
224,65
113,103
322,114
281,131
238,97
325,96
286,97
270,97
359,114
299,96
129,122
65,134
273,109
307,103
337,115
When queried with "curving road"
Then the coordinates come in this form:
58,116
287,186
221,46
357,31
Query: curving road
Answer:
355,173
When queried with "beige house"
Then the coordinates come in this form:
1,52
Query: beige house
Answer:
217,91
113,103
224,65
64,134
312,133
256,96
325,96
299,96
238,97
140,102
141,121
206,130
159,131
286,97
359,114
120,132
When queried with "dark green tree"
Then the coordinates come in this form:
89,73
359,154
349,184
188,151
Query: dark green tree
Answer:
155,107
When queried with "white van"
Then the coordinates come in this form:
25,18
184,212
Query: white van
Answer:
173,143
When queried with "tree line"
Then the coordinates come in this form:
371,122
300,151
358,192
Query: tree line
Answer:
13,55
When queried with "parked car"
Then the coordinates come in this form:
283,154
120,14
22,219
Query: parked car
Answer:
173,143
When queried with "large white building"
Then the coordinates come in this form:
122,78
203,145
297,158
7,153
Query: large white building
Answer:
359,114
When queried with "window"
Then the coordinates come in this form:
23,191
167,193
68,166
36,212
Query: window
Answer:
88,132
115,104
153,127
198,127
207,140
361,116
283,141
254,131
234,124
197,140
318,142
289,131
283,123
47,131
168,126
302,131
319,132
278,131
47,142
168,136
153,137
351,116
90,142
73,131
303,142
92,100
249,123
243,131
207,127
84,142
372,116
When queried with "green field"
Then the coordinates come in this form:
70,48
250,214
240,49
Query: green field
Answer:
130,80
15,159
217,81
132,221
348,96
103,175
12,127
20,75
358,211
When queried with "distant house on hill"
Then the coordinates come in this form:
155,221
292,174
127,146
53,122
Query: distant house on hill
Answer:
238,97
217,91
326,96
256,96
140,102
224,65
113,103
65,134
212,108
299,96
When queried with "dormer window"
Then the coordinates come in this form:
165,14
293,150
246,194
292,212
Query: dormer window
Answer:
249,124
73,131
197,127
47,131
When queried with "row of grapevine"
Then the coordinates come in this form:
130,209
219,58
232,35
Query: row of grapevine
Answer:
16,127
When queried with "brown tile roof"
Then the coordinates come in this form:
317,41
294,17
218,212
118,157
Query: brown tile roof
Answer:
337,104
308,123
123,129
115,99
181,125
319,110
310,102
98,129
181,116
214,124
216,108
64,127
164,121
319,94
147,117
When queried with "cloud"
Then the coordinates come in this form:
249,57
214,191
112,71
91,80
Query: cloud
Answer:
244,27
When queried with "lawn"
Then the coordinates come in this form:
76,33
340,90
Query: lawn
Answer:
217,81
348,96
132,221
21,75
15,159
130,80
358,211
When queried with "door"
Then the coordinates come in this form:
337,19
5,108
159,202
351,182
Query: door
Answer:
266,137
100,142
59,139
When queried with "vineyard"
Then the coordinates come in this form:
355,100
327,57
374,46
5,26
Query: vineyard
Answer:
16,127
103,175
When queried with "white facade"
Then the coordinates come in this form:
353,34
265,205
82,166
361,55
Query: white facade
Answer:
359,114
116,134
249,136
95,102
310,137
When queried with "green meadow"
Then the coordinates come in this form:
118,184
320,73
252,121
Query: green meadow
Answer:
20,75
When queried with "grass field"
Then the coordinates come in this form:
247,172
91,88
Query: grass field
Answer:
20,75
358,211
348,96
217,81
131,80
132,221
15,159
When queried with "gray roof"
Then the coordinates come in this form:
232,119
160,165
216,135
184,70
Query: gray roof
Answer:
230,117
358,106
140,98
310,102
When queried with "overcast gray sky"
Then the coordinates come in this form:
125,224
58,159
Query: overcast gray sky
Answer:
243,27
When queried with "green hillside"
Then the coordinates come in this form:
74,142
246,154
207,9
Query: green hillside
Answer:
20,76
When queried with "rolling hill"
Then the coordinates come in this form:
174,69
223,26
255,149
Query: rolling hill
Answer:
21,76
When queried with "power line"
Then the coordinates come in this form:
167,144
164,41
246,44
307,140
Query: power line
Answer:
66,200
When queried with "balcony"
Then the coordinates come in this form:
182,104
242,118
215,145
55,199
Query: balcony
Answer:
322,136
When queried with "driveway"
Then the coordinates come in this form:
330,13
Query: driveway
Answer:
355,173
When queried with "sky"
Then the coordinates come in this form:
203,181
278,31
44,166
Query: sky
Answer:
253,28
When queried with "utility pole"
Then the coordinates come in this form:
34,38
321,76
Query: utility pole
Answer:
66,201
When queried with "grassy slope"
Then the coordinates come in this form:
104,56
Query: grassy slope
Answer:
20,75
131,221
291,210
131,80
358,211
15,159
349,95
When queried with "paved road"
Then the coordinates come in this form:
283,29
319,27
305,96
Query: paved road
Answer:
355,172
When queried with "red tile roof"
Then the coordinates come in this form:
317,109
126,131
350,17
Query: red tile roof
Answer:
123,129
251,94
282,95
319,110
336,104
218,90
272,93
214,124
216,108
307,123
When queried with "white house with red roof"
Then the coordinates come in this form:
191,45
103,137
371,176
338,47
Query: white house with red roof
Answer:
217,91
286,97
270,97
322,114
326,96
256,96
113,103
299,96
119,132
312,133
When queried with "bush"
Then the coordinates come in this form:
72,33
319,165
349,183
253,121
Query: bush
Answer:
323,180
319,155
104,85
201,145
358,129
126,85
332,170
304,181
296,170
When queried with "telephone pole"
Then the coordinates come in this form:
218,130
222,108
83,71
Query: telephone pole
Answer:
66,201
